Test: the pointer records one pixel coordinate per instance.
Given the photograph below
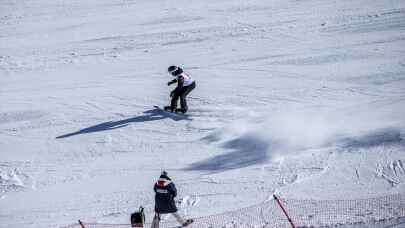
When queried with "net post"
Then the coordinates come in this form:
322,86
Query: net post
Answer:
81,224
284,211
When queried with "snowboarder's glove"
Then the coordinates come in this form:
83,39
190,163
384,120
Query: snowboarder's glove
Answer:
172,81
171,94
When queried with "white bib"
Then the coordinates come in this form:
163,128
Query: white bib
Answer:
187,79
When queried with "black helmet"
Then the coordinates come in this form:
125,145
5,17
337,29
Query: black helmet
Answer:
172,68
175,70
164,175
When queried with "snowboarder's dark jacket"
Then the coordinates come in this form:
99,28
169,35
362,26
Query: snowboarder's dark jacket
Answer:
165,192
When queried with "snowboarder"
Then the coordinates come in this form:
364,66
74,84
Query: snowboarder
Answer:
165,192
185,84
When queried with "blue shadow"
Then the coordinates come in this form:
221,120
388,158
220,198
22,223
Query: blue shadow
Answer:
150,115
245,151
372,139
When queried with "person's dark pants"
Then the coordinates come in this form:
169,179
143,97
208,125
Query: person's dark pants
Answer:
182,94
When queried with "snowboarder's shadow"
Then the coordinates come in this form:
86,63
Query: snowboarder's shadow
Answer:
149,115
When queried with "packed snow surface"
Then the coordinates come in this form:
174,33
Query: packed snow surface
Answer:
303,98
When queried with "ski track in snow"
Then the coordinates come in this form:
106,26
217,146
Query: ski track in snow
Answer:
296,97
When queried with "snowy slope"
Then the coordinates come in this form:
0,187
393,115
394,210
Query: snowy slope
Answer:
302,98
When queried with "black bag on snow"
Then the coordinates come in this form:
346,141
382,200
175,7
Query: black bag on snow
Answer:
138,218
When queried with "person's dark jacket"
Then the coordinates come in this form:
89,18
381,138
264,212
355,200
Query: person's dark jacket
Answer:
165,193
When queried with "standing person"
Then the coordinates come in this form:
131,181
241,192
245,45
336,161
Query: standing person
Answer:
185,84
165,192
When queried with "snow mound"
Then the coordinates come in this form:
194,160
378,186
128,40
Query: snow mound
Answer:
12,181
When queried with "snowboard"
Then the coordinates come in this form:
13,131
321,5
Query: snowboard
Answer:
168,111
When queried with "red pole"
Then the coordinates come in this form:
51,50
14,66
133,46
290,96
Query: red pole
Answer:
285,212
81,224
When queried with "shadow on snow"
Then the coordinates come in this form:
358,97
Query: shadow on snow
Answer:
251,149
150,115
372,139
247,150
